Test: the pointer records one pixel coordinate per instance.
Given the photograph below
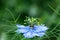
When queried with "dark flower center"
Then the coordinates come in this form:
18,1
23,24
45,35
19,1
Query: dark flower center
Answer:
31,26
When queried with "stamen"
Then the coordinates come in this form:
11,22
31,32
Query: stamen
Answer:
31,21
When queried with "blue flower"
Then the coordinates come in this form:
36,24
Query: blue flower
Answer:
28,32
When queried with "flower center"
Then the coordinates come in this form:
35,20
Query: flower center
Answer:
31,26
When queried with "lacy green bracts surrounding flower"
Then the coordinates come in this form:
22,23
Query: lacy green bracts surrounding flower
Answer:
28,32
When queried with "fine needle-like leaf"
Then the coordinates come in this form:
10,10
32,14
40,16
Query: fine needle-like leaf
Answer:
11,13
54,9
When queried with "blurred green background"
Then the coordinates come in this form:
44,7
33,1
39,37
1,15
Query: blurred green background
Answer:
14,12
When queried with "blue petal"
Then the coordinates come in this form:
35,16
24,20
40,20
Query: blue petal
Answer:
40,28
40,34
29,35
20,26
21,30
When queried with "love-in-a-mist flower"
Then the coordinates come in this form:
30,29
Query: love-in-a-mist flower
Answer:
32,30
